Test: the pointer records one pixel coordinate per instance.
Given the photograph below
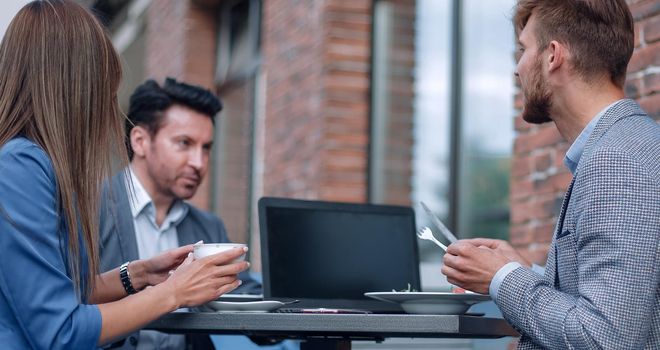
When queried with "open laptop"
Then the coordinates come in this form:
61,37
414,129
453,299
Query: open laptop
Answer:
328,254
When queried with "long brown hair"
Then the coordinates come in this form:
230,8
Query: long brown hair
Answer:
599,33
59,75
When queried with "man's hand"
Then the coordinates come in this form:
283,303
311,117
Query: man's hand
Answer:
502,246
472,267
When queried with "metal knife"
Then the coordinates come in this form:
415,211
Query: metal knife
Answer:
436,220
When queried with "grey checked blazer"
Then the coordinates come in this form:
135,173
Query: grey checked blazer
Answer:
118,243
601,284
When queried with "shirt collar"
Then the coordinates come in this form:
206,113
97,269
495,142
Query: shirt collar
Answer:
574,153
138,197
141,203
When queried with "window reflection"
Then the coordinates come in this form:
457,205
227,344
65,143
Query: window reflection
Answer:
486,119
431,155
476,167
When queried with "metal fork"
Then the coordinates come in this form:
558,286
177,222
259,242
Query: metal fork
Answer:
426,233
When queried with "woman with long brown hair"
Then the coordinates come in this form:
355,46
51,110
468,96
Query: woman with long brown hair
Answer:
60,132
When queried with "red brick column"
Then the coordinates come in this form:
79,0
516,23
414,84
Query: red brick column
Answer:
317,61
643,83
538,177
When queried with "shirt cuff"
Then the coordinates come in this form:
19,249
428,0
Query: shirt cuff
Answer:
538,269
495,284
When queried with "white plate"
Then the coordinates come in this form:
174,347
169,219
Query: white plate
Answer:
241,297
436,303
244,306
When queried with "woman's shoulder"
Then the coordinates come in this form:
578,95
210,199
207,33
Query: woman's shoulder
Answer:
22,146
19,144
21,152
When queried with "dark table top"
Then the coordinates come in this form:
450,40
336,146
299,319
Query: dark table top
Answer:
347,326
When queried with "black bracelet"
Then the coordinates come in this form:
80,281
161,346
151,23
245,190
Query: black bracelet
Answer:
125,277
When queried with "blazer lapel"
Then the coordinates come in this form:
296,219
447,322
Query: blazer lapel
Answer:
185,231
124,218
189,231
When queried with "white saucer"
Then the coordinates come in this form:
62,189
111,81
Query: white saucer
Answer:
436,303
241,297
244,306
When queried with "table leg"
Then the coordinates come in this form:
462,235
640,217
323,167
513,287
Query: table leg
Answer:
325,344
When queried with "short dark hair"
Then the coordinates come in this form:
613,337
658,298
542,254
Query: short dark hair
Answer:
599,33
150,100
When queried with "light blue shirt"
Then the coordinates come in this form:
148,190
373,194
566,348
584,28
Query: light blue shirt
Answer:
153,239
39,307
574,153
571,161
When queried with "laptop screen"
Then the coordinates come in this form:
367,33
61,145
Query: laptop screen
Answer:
329,254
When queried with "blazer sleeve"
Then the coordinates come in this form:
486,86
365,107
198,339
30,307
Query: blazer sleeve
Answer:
617,237
34,282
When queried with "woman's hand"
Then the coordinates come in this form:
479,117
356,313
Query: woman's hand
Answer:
192,283
150,272
143,273
196,282
159,267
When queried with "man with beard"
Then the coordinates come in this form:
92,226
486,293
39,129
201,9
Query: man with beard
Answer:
600,286
170,133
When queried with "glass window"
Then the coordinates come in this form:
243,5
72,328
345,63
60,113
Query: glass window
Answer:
432,136
487,112
462,121
462,114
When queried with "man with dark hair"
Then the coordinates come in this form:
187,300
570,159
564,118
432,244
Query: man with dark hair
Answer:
170,133
600,288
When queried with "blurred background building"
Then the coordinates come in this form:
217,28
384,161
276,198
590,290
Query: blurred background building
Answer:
381,101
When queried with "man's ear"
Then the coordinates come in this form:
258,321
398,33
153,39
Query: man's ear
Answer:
140,139
556,55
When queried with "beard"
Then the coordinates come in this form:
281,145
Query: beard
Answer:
536,109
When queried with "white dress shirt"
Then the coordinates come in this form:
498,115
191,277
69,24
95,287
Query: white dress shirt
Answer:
151,240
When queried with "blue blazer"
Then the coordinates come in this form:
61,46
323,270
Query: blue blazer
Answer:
601,288
39,308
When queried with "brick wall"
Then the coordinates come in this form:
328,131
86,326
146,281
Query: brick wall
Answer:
316,63
293,49
346,61
538,177
317,59
643,82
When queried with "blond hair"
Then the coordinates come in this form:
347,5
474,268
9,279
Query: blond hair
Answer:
59,76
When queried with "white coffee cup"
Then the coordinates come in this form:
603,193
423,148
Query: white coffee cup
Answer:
205,249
